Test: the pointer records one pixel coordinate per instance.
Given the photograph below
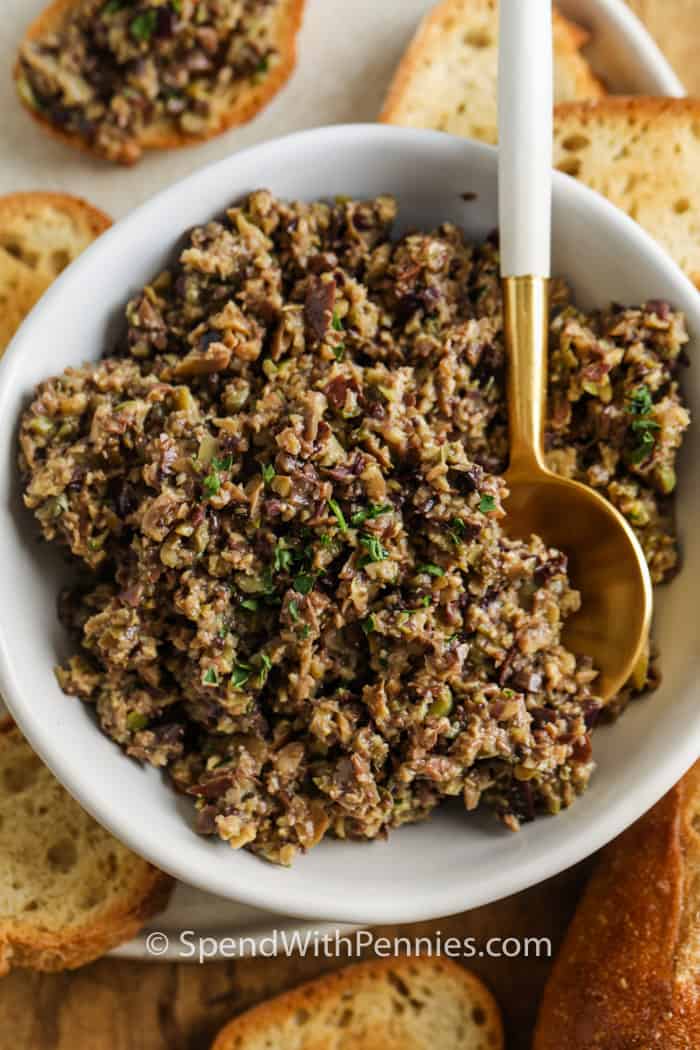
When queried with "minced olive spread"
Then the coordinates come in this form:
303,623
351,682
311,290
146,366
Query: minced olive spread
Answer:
117,67
283,486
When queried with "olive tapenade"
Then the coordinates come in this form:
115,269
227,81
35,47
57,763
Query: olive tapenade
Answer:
284,489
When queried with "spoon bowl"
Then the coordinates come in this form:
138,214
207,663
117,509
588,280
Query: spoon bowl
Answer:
605,564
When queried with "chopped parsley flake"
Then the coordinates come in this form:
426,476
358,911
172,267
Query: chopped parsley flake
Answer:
339,516
375,550
640,406
251,604
112,6
240,675
337,323
303,583
282,558
293,611
432,570
225,463
339,351
265,669
143,25
211,484
369,513
369,624
487,504
305,631
268,472
211,676
457,531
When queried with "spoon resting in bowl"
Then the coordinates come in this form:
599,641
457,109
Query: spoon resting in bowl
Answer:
606,562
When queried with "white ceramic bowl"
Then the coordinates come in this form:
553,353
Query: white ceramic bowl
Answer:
453,861
621,50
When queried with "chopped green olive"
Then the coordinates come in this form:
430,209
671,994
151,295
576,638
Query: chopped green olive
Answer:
136,721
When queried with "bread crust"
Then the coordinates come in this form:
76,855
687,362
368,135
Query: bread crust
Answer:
92,219
313,995
157,136
436,21
22,944
618,982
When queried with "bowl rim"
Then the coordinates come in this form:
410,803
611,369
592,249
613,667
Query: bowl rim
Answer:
161,851
623,21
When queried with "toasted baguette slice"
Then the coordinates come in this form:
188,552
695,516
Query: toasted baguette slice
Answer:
643,154
68,891
236,106
447,79
628,974
40,234
396,1004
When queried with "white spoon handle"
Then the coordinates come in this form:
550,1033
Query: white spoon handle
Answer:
525,136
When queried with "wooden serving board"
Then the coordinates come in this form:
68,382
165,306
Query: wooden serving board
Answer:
123,1005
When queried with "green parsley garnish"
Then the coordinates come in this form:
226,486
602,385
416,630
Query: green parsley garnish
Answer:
251,604
456,533
369,624
339,516
375,550
640,406
263,65
305,631
268,472
303,583
211,676
326,540
240,675
136,721
282,558
211,484
487,504
339,351
225,463
369,513
176,6
426,601
293,611
113,6
432,570
337,323
265,669
143,25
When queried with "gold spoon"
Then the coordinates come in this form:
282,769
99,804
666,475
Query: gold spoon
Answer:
606,562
